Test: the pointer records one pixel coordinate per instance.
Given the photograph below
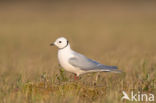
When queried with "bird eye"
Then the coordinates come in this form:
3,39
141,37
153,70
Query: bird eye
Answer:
60,42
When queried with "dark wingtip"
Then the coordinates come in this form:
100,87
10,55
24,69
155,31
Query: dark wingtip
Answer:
114,67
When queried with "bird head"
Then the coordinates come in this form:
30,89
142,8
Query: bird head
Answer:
61,43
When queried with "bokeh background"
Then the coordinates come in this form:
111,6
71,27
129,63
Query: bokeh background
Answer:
121,33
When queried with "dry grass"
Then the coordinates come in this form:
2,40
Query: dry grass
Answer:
121,34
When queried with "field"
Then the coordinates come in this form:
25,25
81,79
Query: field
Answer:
113,33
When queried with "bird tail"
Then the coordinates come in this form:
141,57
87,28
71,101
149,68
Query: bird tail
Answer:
113,69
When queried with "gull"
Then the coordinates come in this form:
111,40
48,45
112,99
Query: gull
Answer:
77,63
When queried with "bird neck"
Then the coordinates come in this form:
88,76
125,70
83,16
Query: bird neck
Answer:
67,48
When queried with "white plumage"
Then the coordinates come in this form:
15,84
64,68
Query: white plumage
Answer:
77,63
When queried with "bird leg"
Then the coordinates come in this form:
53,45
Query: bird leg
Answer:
76,77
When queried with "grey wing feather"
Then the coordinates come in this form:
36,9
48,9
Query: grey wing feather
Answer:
87,64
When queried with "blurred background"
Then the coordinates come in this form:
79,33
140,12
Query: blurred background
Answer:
121,33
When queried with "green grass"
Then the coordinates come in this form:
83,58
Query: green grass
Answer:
111,33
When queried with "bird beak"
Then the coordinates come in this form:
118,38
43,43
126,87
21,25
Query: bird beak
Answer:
52,44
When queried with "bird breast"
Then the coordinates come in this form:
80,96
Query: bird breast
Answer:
63,58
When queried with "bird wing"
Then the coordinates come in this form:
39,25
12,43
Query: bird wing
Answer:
87,64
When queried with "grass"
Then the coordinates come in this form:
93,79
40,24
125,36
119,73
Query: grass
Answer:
111,33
